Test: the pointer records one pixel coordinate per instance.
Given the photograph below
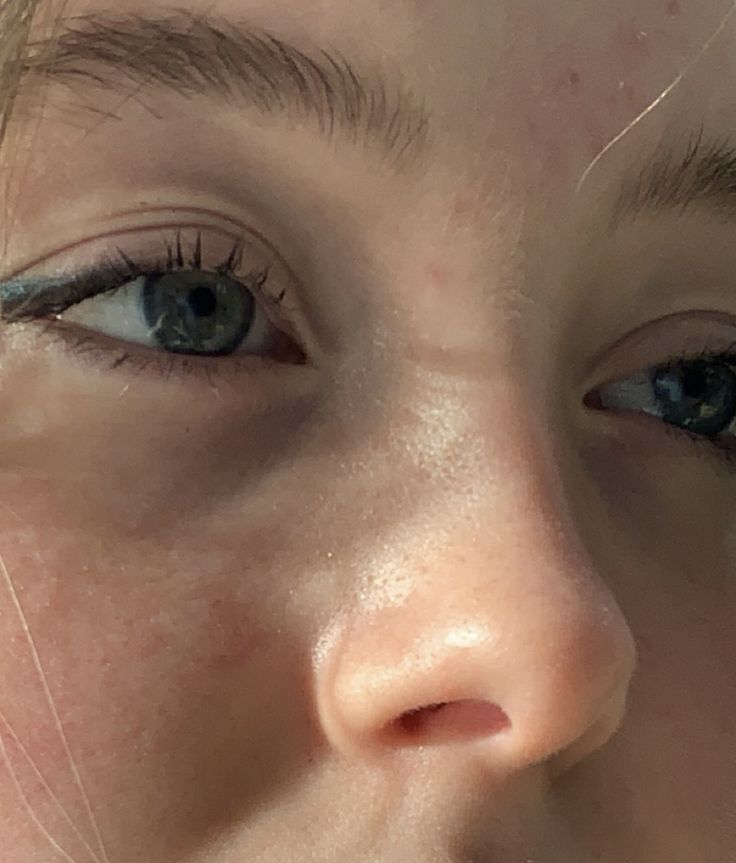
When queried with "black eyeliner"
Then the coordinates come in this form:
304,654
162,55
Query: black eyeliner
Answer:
25,300
28,299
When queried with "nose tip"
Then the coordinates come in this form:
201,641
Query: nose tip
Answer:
447,721
552,687
490,626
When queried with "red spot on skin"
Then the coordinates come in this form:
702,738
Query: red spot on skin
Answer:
437,275
673,8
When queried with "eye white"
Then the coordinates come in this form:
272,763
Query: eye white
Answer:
636,392
119,314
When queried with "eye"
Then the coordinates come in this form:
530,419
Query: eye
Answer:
176,305
694,394
197,312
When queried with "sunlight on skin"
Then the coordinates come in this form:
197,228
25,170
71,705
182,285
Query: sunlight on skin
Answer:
57,723
26,802
408,601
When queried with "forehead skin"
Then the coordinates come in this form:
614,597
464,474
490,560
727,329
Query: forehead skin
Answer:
228,617
504,128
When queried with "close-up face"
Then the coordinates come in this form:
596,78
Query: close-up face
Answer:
368,441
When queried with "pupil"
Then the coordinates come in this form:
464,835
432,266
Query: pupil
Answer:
202,301
694,384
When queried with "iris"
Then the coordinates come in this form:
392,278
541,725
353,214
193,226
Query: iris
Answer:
196,312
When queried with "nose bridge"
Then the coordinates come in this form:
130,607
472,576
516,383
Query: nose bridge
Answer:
478,483
485,615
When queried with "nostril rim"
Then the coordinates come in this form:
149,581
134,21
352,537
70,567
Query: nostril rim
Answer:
452,720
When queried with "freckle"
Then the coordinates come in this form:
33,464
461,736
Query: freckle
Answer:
573,78
673,8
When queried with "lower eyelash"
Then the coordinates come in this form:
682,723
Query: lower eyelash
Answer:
723,448
159,364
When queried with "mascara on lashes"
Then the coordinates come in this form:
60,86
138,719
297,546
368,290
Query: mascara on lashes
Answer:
29,299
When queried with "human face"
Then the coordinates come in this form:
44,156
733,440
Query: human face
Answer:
234,590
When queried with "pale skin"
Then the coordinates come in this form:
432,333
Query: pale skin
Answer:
221,591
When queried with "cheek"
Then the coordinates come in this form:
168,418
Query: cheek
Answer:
113,654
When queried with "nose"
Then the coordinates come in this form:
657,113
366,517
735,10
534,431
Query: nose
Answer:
503,636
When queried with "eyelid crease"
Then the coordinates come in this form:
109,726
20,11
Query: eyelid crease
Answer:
238,230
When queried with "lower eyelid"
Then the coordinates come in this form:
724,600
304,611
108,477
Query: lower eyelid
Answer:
133,361
118,314
639,436
722,447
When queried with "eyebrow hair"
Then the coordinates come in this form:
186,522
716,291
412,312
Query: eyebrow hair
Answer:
194,55
700,176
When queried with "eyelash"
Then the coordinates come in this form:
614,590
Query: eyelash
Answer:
92,282
707,446
110,275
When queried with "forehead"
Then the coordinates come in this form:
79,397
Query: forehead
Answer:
551,83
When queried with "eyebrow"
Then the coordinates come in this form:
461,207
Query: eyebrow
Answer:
193,55
700,176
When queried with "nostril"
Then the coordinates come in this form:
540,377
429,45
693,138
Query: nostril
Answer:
415,720
450,720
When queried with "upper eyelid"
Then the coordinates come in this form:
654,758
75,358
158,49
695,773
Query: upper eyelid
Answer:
285,297
29,298
238,230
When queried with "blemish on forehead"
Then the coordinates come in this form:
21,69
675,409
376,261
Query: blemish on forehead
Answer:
569,105
437,276
563,82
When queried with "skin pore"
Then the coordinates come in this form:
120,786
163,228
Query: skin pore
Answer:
411,598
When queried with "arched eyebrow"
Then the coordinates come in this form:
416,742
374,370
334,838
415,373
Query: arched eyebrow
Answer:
193,55
700,176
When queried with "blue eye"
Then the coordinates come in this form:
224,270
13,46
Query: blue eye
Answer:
196,313
696,395
699,396
175,306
